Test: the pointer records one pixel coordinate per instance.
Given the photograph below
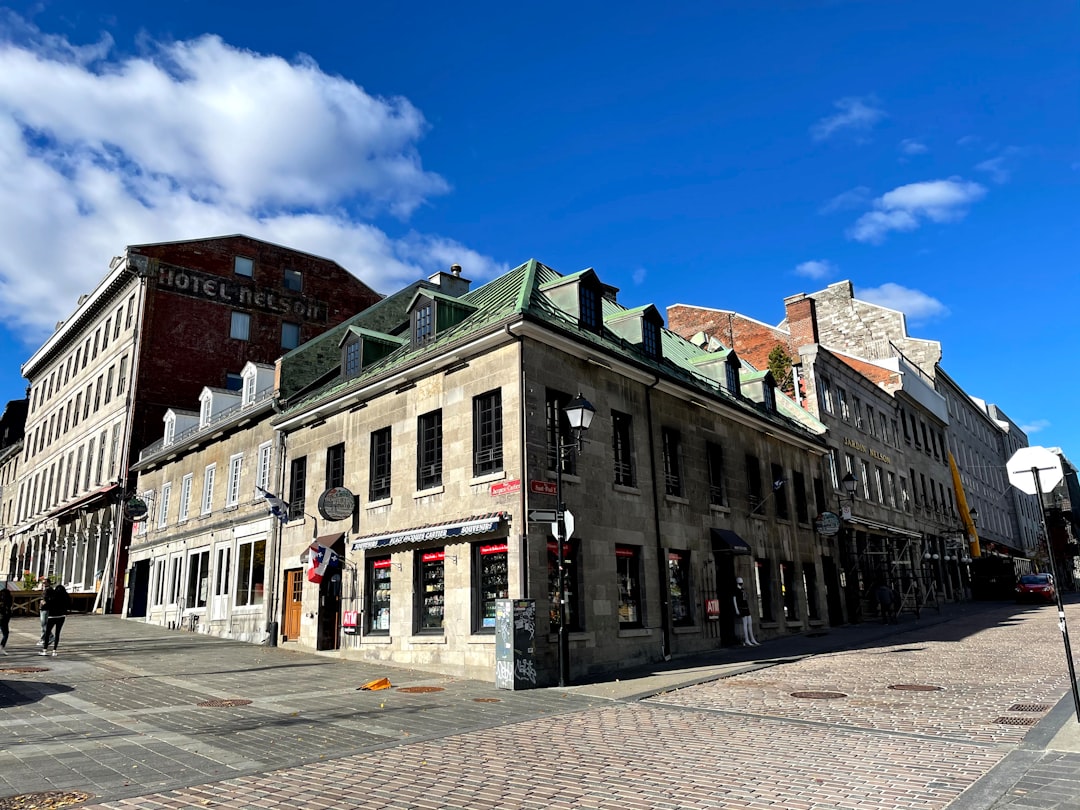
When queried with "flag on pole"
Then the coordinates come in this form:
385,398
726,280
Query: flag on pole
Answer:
278,507
320,558
779,482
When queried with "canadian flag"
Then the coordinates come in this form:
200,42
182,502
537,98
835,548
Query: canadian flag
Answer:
319,559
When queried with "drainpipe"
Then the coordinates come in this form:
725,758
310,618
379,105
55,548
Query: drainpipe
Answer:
661,563
523,534
275,535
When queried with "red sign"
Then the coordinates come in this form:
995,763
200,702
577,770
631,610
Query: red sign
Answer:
383,563
497,548
542,487
433,556
506,487
348,621
712,608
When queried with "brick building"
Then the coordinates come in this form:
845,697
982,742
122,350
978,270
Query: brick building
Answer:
167,320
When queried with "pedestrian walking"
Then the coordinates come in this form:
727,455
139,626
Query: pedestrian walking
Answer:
742,610
5,617
885,603
43,612
57,608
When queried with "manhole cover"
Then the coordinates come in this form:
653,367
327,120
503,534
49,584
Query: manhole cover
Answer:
487,700
1028,707
222,703
916,687
819,695
1016,721
416,690
21,671
43,801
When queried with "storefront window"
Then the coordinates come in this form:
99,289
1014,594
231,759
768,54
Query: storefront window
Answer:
628,567
489,561
570,558
679,588
788,591
432,589
378,595
763,571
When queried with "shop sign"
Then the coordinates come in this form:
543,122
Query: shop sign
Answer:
506,487
348,621
712,609
465,529
135,509
542,487
827,524
495,548
337,503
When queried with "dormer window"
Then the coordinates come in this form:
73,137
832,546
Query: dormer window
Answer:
731,373
650,338
170,430
204,411
424,324
768,397
352,358
249,389
590,308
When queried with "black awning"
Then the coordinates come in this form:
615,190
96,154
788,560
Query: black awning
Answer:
726,541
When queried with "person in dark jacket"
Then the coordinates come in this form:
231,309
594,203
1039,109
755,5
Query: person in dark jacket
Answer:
56,605
5,617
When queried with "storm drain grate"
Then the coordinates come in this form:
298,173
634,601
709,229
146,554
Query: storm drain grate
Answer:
1028,707
223,703
43,801
1015,721
417,690
487,700
21,671
916,687
819,695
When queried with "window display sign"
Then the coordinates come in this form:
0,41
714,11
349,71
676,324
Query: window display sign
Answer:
432,591
493,581
378,580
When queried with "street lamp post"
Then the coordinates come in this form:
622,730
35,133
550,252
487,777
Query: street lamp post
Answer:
579,413
849,484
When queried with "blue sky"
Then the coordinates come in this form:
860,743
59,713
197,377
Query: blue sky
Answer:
726,154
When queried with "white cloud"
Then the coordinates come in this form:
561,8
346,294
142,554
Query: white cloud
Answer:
1036,426
858,114
846,200
995,168
916,305
197,138
816,268
906,207
910,146
639,275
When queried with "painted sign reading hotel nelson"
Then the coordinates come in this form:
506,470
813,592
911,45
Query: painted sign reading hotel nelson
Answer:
213,288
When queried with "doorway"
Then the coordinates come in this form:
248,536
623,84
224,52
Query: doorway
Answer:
138,589
293,607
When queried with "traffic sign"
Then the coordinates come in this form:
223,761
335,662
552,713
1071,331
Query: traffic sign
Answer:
1025,460
568,523
543,515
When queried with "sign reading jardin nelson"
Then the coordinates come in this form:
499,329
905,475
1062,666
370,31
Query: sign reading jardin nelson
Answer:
208,287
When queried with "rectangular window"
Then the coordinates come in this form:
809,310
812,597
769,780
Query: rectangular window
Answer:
879,484
379,571
249,389
379,466
157,597
429,450
424,328
163,512
105,335
431,586
826,395
673,484
628,573
97,393
116,322
290,335
753,483
571,556
109,384
809,580
176,565
208,489
892,489
234,382
714,457
114,450
490,566
487,433
859,423
298,487
250,572
779,492
121,376
788,591
845,411
243,266
905,494
185,496
99,473
622,449
89,464
764,584
558,432
335,466
590,308
352,358
198,579
864,479
262,472
240,326
232,491
293,280
682,606
802,507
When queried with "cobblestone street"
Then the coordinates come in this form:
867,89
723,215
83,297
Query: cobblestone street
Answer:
898,717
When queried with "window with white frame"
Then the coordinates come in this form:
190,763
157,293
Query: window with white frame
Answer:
176,567
205,405
157,592
232,491
170,429
208,489
249,390
250,572
163,509
262,472
198,579
185,496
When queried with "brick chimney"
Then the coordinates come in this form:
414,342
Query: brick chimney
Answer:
801,321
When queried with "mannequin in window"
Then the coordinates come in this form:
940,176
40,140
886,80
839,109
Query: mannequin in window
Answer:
742,611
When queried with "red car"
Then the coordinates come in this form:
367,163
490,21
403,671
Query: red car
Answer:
1035,588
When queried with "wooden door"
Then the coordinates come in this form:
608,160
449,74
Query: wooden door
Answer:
293,604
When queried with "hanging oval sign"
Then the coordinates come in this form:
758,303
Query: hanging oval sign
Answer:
827,524
135,509
337,503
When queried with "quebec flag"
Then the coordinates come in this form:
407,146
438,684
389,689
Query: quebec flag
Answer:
278,507
320,558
